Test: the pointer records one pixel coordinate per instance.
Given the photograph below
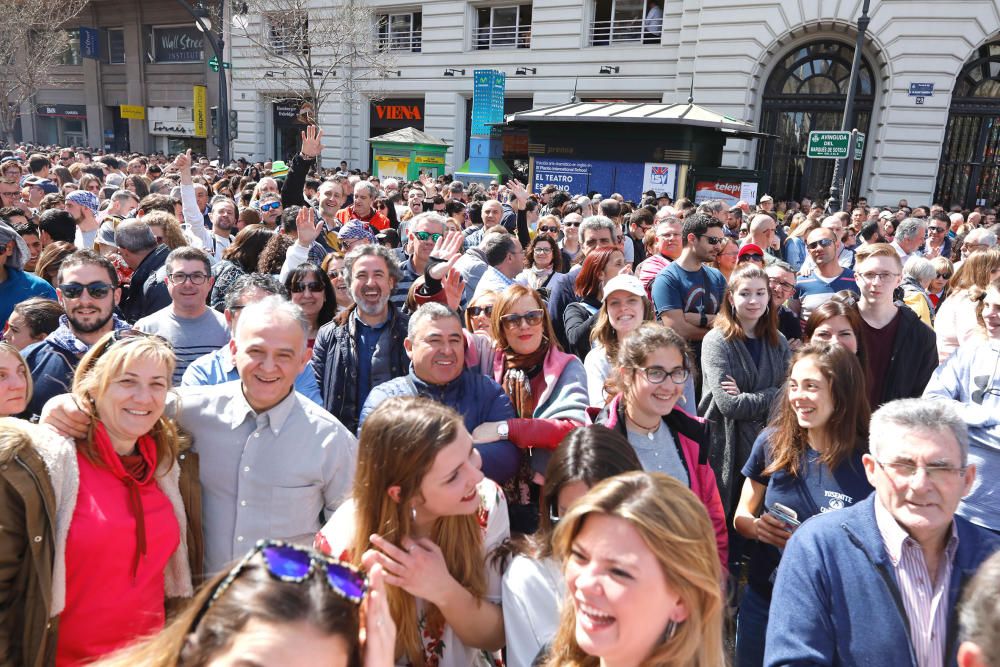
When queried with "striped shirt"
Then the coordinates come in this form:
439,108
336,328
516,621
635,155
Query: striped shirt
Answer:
925,601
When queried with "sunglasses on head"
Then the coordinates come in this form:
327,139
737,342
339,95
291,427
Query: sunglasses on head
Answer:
270,206
476,311
427,236
531,318
821,243
314,286
293,564
96,290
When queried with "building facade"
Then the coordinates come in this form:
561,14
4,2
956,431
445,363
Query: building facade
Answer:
151,55
782,65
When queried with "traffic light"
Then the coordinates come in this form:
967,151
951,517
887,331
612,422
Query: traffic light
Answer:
213,117
233,123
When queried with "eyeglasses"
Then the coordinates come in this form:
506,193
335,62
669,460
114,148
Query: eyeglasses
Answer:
289,563
542,250
935,230
658,375
775,283
571,224
668,235
96,290
714,240
531,318
180,278
476,311
425,236
270,206
935,473
821,243
546,228
944,276
873,276
754,257
315,287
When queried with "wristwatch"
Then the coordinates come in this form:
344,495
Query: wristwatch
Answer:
503,430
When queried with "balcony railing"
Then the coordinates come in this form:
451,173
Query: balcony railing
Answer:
400,41
502,37
617,31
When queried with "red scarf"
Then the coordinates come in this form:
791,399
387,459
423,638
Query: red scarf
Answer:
133,470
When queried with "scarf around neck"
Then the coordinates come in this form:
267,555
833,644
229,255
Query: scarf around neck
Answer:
517,374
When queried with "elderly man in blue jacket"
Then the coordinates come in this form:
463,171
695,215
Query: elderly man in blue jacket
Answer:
878,583
436,346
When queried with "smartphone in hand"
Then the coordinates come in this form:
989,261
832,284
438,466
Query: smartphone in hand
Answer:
785,515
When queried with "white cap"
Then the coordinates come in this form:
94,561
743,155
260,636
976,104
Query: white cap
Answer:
624,282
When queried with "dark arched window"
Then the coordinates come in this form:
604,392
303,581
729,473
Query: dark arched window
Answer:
969,173
807,92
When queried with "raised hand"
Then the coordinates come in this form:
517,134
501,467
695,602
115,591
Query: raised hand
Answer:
449,249
454,287
307,227
183,161
312,142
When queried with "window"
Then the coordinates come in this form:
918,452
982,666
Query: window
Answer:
116,46
71,56
506,27
175,44
617,21
400,32
287,33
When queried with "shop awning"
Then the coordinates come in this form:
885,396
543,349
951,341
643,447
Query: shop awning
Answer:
641,113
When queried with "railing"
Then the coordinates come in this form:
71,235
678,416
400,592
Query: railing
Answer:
617,31
502,37
400,41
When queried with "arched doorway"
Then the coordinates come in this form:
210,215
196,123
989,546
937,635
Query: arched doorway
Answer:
806,92
969,173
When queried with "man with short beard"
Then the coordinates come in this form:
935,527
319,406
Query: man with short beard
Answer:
223,217
88,291
363,345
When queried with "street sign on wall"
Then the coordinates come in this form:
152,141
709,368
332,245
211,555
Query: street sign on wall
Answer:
834,145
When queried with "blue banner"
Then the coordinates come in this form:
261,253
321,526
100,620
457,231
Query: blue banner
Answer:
90,43
488,90
581,177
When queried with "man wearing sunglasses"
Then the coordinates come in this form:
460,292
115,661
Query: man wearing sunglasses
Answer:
88,291
422,233
188,324
828,278
270,209
938,243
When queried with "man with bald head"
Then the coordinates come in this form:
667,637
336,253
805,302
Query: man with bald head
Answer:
763,233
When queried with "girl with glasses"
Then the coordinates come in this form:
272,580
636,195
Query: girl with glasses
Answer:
544,260
310,288
652,371
422,510
281,605
938,289
533,587
479,313
547,387
642,577
744,359
807,461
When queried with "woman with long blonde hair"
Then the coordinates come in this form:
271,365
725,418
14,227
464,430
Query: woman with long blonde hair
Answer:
642,575
422,509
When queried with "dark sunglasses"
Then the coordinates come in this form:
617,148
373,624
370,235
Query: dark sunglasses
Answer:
572,224
531,318
270,206
546,228
713,240
425,236
96,290
315,287
822,243
476,311
944,276
293,564
751,258
935,230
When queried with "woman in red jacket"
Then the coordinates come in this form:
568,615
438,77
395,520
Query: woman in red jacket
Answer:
652,367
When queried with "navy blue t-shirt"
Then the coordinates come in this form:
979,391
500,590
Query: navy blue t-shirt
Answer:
814,491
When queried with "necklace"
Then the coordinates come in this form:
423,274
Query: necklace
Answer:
649,431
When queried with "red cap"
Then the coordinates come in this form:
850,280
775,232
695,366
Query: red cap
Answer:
749,249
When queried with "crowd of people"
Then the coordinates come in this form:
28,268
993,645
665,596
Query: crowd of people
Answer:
278,414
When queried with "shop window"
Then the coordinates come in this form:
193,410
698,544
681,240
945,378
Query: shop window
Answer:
287,32
506,27
400,32
71,55
617,21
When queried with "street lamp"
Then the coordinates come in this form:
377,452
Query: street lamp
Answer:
835,204
204,25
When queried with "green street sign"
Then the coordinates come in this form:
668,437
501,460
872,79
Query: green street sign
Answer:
834,145
213,64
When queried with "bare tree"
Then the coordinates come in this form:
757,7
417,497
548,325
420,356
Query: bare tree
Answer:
33,41
309,51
